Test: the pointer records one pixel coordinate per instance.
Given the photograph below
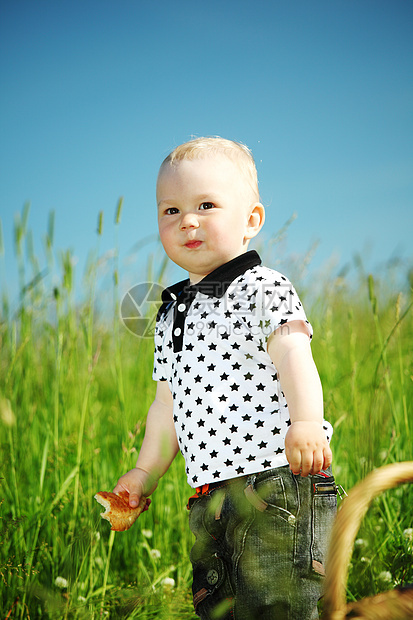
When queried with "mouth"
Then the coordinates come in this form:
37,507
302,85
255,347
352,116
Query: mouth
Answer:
193,244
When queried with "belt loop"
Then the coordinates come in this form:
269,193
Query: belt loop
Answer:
218,509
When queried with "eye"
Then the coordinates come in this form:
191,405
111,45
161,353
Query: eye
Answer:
171,211
206,205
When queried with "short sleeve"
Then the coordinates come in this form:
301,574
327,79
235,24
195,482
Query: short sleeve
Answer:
280,304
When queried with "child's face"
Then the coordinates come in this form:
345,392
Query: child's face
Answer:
207,213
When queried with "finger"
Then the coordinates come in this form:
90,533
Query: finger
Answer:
134,499
328,457
294,459
306,463
318,462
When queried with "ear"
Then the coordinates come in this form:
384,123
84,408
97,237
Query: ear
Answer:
255,220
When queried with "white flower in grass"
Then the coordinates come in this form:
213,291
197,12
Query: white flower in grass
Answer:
385,576
408,534
60,582
360,542
81,599
155,554
147,533
168,583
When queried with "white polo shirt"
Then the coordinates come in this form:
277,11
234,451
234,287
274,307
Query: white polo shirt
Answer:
229,411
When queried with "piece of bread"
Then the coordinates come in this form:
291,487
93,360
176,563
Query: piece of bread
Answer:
118,512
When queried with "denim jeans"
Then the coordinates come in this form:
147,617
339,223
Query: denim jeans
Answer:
260,546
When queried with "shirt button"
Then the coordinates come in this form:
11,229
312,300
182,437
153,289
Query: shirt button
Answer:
181,308
177,331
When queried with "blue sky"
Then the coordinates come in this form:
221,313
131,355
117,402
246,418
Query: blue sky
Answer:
94,94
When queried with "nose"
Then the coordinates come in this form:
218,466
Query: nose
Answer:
189,220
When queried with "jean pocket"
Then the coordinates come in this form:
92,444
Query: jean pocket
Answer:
269,496
324,508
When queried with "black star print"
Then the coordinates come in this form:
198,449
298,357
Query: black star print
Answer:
229,334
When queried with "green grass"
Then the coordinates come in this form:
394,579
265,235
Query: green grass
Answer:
74,391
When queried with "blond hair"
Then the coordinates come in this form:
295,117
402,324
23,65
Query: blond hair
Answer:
235,151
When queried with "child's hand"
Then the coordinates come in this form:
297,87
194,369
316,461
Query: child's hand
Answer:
137,483
306,448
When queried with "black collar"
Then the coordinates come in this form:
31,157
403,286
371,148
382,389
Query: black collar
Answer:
215,284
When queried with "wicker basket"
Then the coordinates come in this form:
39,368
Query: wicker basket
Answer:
393,605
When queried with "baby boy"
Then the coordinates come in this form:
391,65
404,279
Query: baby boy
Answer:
239,395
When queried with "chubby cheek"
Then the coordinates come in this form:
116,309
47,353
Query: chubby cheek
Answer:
228,234
167,240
